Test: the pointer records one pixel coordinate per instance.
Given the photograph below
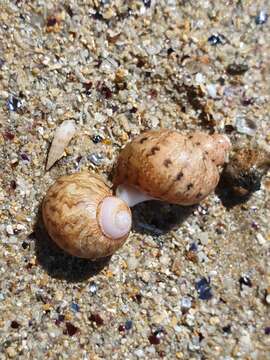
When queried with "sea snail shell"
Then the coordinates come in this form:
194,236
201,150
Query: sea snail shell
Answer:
169,166
83,218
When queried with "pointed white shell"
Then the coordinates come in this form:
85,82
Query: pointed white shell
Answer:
62,136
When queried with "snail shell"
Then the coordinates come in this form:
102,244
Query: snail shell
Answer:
173,167
83,218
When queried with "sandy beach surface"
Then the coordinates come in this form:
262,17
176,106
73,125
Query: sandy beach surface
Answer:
190,283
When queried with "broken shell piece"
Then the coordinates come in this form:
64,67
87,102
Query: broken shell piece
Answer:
62,136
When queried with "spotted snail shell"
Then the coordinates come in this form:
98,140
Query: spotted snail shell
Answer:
173,167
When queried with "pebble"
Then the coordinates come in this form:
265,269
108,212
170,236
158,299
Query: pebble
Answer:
245,126
139,353
261,239
199,79
2,62
13,103
165,260
212,90
9,230
204,289
11,352
216,39
186,303
245,281
245,343
93,288
203,237
75,307
96,139
237,69
95,159
128,325
261,18
58,295
267,299
132,263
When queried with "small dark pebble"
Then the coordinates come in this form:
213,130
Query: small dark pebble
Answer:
75,307
121,328
114,108
216,39
204,289
40,296
24,157
261,18
237,69
97,16
70,329
97,319
14,324
201,337
13,184
247,101
105,91
147,3
8,135
51,21
13,103
221,81
96,139
78,159
133,110
170,51
69,10
267,330
229,129
227,329
153,93
255,226
161,353
128,325
156,336
219,231
147,74
140,62
193,247
93,288
2,62
154,340
25,245
87,87
138,298
245,280
60,319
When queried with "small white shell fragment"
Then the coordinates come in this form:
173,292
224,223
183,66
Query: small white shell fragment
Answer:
212,90
62,136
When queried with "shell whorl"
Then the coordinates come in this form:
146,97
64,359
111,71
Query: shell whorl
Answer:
70,210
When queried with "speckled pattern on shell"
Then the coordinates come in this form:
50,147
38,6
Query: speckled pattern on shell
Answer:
70,211
170,166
